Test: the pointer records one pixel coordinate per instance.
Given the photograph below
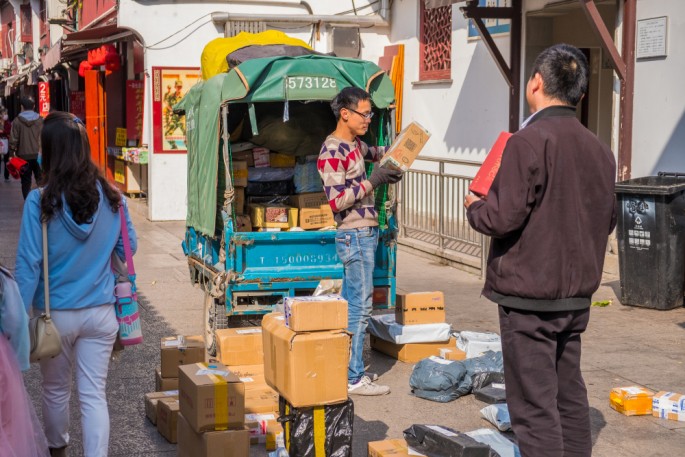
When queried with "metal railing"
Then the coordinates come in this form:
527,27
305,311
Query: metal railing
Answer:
431,210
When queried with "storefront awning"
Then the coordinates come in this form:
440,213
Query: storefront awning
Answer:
98,35
53,56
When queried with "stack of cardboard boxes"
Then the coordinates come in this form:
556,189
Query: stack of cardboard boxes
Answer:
211,417
240,349
306,355
414,309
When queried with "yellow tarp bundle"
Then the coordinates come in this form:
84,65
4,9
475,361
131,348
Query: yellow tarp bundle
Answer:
213,60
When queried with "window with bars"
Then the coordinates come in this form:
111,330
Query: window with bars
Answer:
435,56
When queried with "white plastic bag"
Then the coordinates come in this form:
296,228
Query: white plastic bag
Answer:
497,415
496,441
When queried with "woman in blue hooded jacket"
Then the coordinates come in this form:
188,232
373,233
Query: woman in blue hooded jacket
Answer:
82,213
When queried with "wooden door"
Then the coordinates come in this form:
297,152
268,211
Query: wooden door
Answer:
96,119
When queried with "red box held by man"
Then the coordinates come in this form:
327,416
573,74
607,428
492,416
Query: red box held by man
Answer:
487,172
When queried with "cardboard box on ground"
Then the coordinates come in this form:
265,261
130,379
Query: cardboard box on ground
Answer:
420,308
307,369
167,418
211,397
180,350
162,384
412,352
151,400
631,401
240,346
224,443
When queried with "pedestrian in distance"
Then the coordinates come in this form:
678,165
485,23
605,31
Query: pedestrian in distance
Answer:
350,194
550,211
20,431
81,210
4,141
24,141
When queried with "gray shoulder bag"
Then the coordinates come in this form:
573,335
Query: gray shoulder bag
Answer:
45,339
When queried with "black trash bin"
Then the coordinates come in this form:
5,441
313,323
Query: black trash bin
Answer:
651,240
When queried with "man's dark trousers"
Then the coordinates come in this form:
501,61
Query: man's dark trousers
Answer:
34,169
546,393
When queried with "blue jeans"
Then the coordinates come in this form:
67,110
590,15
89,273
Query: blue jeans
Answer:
356,249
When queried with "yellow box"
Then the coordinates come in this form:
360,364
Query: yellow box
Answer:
388,448
278,160
631,401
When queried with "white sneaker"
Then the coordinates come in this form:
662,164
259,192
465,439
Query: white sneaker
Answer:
366,387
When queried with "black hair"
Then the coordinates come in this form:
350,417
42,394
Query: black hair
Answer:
69,174
27,103
564,71
349,97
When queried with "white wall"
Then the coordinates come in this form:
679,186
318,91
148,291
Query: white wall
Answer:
154,21
659,119
466,115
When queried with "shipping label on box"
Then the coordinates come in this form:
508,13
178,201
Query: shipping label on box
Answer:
167,418
180,350
308,200
261,157
406,147
239,173
240,346
316,218
151,400
420,308
631,401
234,443
250,375
273,216
211,397
307,369
669,405
308,314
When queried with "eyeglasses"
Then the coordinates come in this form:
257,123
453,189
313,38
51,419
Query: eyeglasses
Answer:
365,116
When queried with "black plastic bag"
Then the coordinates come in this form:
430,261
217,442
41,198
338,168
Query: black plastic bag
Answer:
270,188
438,441
300,426
487,378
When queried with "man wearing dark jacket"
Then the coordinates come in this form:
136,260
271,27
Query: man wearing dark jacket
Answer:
550,211
25,141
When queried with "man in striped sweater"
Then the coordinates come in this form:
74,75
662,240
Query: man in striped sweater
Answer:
350,194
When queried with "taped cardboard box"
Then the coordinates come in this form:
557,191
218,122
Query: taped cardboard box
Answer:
669,405
162,384
631,401
240,346
306,368
406,147
420,308
226,443
308,200
308,314
167,419
250,375
260,399
211,397
273,216
151,400
239,173
316,218
389,448
410,352
258,425
180,350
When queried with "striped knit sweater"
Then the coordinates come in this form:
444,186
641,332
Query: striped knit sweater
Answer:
342,169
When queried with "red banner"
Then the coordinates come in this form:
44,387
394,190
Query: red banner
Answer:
43,98
77,101
135,93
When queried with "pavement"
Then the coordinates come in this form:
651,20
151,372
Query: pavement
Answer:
623,346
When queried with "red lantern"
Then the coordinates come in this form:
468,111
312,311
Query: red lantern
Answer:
83,67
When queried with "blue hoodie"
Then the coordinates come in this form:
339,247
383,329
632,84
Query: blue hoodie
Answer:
79,256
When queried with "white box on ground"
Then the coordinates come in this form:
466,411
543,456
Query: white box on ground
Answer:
385,328
476,343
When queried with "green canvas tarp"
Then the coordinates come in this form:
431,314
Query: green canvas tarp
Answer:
255,81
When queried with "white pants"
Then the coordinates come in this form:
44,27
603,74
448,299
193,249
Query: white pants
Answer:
87,339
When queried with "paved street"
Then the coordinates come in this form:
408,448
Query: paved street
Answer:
623,346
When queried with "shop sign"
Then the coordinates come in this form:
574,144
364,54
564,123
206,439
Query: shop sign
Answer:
120,171
169,86
120,139
43,98
135,93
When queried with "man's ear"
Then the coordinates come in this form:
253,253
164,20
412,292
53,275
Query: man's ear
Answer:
536,83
